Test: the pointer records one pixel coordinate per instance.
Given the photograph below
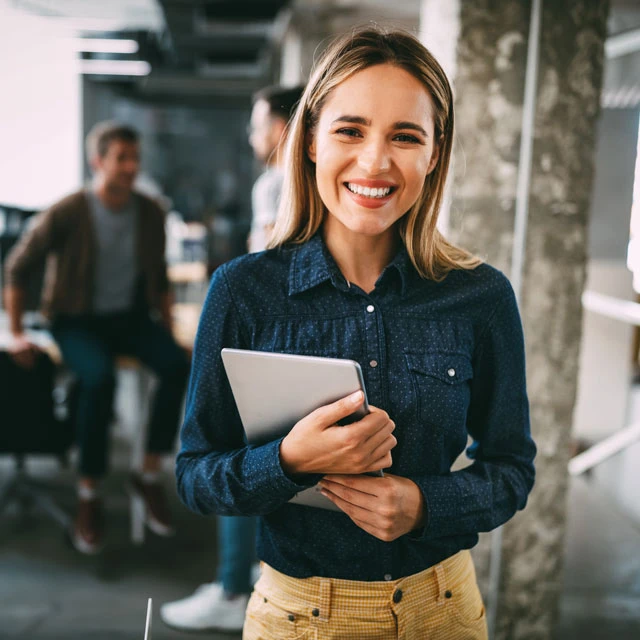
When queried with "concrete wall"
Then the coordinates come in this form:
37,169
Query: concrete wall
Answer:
491,64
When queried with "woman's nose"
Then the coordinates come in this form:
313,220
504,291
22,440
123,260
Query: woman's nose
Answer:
374,157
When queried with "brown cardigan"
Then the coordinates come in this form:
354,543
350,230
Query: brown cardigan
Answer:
64,234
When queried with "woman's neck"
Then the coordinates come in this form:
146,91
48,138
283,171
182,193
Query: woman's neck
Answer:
361,259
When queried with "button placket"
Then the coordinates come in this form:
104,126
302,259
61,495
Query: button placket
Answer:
372,353
372,327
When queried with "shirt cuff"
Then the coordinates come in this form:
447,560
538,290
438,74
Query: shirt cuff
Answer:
437,493
263,466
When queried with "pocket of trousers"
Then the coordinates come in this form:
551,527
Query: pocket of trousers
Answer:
466,605
268,621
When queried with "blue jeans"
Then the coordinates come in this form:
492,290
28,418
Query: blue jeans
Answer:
89,344
236,552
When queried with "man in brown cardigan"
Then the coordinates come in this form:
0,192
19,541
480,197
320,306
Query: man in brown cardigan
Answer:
105,293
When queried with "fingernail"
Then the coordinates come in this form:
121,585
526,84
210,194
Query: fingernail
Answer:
355,398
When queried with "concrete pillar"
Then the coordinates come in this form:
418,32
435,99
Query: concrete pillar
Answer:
489,88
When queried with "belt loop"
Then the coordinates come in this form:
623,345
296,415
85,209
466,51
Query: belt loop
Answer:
441,583
325,599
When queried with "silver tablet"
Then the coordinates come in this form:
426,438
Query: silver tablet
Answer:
273,391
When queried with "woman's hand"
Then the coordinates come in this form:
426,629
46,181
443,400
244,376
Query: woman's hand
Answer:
387,508
316,444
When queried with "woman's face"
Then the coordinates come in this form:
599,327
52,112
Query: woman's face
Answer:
373,147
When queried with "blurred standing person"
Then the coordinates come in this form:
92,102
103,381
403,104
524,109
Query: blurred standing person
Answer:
221,605
272,108
106,276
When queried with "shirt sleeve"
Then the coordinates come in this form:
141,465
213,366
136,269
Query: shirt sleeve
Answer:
266,198
39,238
486,494
217,472
163,275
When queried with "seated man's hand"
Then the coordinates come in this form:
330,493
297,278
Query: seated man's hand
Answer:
23,351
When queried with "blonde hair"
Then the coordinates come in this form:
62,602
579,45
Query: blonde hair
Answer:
301,209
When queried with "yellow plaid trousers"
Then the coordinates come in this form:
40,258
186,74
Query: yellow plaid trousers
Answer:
440,603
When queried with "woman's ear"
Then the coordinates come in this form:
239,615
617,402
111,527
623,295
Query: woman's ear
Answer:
310,143
435,155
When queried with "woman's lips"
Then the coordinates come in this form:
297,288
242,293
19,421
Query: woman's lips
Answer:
370,201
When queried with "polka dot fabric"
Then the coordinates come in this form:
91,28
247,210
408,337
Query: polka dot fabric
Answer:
444,359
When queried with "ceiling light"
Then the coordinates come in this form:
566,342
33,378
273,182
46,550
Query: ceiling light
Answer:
104,45
114,67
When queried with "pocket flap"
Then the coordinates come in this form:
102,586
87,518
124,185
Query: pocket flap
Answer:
451,368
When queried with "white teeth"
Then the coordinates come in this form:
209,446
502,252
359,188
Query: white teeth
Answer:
368,192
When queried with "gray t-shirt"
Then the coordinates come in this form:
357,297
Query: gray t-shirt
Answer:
116,265
265,197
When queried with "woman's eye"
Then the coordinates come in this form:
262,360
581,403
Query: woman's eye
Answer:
405,137
351,133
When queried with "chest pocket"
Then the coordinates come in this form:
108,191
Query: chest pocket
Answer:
441,385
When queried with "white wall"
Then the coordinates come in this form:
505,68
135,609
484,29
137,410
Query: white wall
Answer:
40,127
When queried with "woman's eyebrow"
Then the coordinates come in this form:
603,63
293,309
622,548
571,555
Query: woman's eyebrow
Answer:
353,120
402,124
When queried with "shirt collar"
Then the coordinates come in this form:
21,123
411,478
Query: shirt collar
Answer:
312,264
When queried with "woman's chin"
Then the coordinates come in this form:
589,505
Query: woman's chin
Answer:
371,229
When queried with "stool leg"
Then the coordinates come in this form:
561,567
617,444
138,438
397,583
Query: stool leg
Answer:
137,514
138,448
137,506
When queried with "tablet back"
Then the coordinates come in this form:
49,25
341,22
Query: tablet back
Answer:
273,391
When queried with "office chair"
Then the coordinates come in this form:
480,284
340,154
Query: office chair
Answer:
32,423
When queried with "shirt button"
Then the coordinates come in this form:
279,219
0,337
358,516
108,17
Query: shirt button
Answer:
397,595
451,372
315,613
387,576
373,363
371,308
291,617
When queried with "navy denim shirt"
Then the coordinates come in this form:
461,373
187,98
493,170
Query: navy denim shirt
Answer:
444,359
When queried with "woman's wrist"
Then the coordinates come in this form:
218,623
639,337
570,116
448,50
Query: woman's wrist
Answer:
287,460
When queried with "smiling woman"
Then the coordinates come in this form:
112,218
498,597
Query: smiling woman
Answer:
372,157
359,270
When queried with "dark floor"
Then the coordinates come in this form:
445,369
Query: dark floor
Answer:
601,599
48,591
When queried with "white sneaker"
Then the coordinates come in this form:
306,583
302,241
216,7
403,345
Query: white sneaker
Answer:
206,609
256,571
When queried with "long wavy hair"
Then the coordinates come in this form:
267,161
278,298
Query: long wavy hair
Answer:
301,209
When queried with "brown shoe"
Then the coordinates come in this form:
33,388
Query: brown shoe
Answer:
157,513
87,532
